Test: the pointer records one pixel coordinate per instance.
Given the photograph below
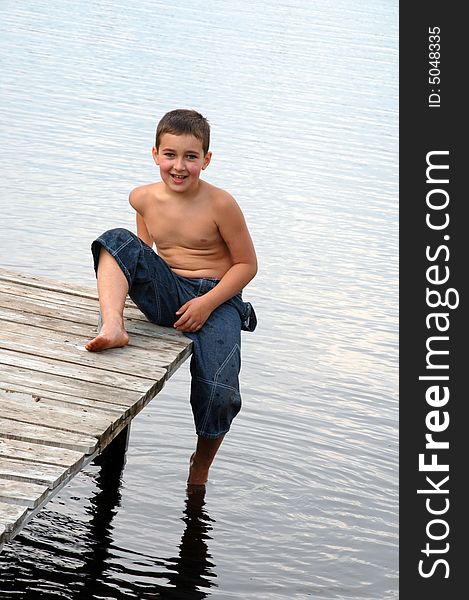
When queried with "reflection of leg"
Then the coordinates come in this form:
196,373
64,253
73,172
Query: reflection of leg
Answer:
193,570
202,459
112,291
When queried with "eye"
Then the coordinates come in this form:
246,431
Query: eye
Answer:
192,156
168,154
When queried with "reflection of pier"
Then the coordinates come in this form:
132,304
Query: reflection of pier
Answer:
61,405
103,508
86,560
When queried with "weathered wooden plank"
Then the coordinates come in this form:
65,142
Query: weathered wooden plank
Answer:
50,323
27,432
19,290
25,401
135,322
22,492
16,378
41,282
65,295
50,475
143,333
61,400
63,311
79,372
23,408
62,300
59,305
119,419
70,348
20,429
9,291
10,517
48,455
47,283
50,309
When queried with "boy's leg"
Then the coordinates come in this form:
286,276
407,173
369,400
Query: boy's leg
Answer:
126,265
215,396
129,266
202,459
112,292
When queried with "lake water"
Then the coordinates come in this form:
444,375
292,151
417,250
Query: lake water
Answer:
302,99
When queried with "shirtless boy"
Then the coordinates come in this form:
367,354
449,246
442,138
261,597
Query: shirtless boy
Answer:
205,257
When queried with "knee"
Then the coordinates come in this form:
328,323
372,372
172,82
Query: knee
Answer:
118,234
118,241
231,405
113,240
224,409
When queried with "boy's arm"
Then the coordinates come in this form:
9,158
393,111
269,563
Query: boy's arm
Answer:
142,231
136,201
234,231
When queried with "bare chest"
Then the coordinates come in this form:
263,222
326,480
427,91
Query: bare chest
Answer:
191,229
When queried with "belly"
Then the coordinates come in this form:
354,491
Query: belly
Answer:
194,263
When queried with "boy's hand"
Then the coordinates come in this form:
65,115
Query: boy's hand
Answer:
193,314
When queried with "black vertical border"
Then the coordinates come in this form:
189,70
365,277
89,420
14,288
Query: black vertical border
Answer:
424,129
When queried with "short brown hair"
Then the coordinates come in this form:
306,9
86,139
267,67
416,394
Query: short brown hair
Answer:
184,121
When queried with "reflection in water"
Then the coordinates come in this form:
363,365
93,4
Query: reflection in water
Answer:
103,507
79,561
193,568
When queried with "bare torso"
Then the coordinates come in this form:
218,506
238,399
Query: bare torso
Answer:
184,229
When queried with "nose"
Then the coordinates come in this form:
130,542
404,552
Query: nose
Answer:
179,164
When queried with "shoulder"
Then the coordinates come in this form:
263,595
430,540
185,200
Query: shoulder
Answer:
222,200
140,196
226,211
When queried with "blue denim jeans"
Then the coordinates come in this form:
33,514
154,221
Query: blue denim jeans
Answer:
216,358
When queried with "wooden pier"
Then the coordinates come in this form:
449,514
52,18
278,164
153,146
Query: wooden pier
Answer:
60,405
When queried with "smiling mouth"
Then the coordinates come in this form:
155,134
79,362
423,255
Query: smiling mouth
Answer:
178,177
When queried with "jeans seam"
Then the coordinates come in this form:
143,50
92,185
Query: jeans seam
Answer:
157,299
218,383
123,245
212,435
215,383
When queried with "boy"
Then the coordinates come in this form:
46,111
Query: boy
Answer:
205,257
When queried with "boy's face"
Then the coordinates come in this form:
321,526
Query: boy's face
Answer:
180,159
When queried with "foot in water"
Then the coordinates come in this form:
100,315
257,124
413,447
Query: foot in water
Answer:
108,337
198,475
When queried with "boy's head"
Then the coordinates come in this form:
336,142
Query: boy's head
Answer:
184,122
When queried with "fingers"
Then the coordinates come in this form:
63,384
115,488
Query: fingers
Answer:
187,323
188,327
191,316
183,319
183,308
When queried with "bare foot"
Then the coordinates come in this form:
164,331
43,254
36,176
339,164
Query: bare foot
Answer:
198,475
108,337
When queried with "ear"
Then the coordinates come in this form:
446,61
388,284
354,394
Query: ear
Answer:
207,159
154,153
